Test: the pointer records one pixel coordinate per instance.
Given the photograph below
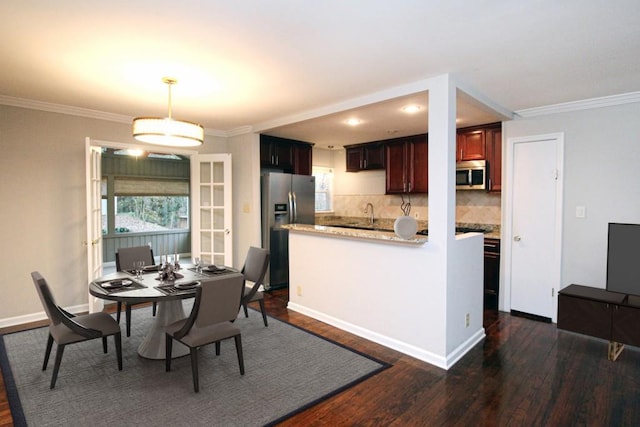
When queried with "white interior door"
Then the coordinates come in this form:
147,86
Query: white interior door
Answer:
211,220
93,157
536,218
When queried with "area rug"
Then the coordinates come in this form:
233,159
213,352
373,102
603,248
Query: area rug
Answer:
287,368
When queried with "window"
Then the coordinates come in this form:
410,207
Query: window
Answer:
324,188
145,205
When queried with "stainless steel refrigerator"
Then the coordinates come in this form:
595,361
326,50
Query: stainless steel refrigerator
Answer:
286,199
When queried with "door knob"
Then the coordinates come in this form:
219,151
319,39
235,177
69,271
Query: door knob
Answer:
516,238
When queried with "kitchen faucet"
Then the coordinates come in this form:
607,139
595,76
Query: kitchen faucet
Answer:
366,210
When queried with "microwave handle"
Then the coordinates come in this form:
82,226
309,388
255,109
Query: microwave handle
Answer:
469,178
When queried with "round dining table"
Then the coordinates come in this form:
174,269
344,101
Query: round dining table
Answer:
124,287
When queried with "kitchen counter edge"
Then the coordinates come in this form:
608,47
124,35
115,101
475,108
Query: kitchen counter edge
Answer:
356,233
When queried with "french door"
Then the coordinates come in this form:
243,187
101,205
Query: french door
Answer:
93,158
211,220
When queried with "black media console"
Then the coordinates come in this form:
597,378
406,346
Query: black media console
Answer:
600,313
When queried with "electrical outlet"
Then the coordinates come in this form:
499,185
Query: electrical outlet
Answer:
299,290
467,320
416,215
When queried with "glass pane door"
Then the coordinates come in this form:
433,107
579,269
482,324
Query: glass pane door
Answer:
211,202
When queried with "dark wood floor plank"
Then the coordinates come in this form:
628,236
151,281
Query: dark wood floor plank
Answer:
524,373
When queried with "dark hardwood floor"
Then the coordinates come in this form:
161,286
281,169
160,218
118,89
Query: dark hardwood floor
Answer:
525,373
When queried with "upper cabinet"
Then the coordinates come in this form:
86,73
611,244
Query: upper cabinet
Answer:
483,142
471,144
287,155
362,157
406,164
494,158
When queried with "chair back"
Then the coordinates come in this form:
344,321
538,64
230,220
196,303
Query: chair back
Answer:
218,300
46,297
125,257
255,267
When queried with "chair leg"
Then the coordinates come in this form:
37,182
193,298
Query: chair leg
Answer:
155,308
264,314
217,348
56,366
128,315
246,313
194,368
118,309
167,354
118,339
47,352
104,345
238,340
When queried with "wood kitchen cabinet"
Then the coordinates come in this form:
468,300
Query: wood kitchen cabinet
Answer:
491,273
287,155
361,157
493,138
483,142
406,164
471,144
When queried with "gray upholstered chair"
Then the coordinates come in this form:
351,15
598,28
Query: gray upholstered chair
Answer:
65,328
125,257
254,270
211,321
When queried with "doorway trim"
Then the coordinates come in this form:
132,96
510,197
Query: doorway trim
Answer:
507,226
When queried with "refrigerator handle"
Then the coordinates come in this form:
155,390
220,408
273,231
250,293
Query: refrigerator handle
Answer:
295,209
291,208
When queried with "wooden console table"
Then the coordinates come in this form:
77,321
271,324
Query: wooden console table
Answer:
602,314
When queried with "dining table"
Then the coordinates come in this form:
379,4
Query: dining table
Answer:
127,287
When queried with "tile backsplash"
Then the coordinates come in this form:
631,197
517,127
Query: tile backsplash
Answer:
472,207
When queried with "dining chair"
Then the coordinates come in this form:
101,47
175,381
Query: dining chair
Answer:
254,270
66,328
125,257
210,321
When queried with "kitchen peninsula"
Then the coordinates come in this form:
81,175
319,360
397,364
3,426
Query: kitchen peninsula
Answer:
387,289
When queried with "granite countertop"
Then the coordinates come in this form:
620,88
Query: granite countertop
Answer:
388,236
491,231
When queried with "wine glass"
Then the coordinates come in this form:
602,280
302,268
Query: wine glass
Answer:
198,264
139,268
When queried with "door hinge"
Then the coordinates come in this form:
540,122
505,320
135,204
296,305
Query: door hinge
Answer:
555,174
553,292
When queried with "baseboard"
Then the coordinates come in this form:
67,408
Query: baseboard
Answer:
36,317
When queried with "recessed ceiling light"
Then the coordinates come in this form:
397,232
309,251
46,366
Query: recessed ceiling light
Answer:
412,108
354,122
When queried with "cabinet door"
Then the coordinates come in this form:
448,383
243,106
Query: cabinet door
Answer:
494,158
418,163
283,153
373,157
584,316
395,162
265,154
354,159
303,159
471,145
625,325
491,280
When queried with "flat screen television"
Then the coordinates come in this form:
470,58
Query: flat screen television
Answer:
623,259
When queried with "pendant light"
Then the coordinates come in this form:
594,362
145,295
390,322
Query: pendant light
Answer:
166,130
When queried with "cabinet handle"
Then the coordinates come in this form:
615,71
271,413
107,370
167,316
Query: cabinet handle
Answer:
277,160
409,187
365,163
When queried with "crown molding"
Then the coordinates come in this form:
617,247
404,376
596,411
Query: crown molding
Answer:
81,112
586,104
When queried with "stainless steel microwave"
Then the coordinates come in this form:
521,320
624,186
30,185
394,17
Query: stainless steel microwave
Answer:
471,175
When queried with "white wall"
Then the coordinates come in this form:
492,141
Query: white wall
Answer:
245,152
602,173
42,170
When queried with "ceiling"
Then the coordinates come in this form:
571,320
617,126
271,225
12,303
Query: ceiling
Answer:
249,63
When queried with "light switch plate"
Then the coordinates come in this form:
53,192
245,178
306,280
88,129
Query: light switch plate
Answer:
581,212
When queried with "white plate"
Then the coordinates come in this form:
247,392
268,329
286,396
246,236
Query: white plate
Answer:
405,227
